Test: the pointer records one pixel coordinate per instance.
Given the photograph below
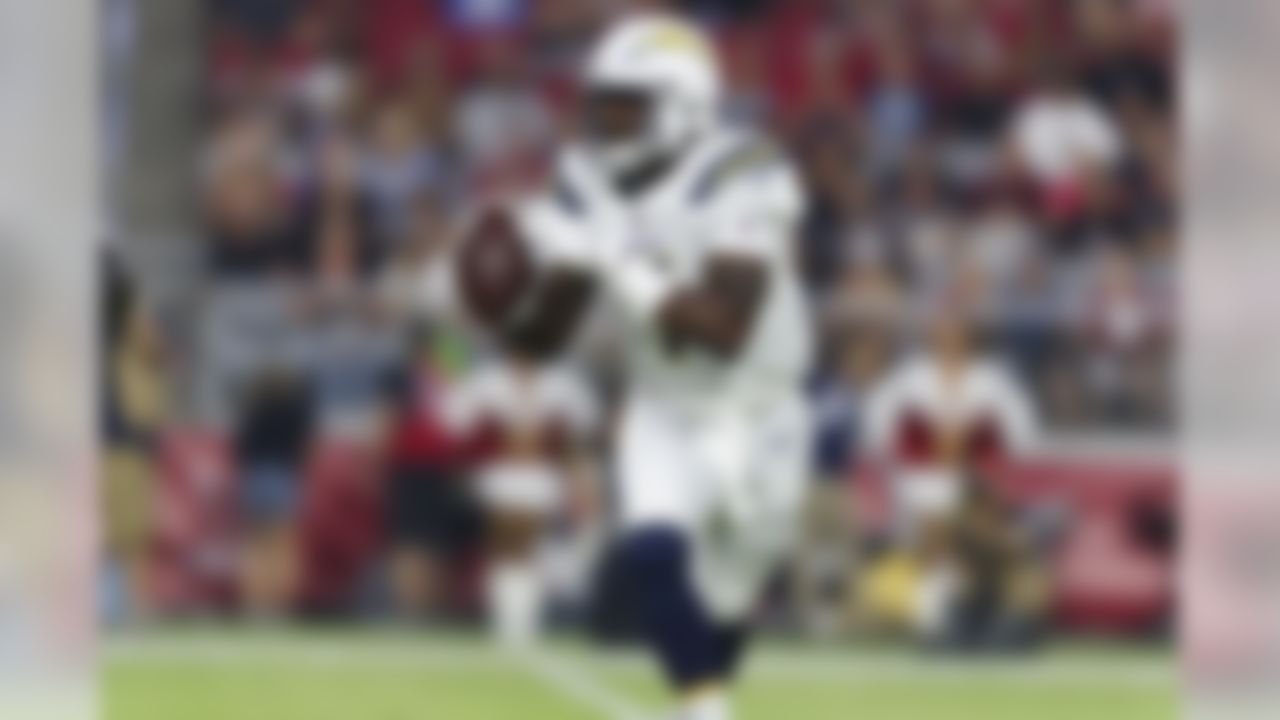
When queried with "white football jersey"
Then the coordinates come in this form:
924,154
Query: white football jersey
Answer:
733,193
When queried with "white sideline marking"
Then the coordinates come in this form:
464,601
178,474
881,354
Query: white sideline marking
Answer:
1027,672
850,668
579,688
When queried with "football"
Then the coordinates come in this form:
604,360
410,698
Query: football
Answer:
495,267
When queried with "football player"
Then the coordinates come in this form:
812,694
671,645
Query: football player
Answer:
685,226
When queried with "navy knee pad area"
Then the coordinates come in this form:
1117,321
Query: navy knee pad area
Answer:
693,649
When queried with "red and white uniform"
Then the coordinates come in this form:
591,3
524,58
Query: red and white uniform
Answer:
525,419
926,424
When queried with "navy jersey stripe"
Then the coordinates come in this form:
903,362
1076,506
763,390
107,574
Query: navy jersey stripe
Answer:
567,196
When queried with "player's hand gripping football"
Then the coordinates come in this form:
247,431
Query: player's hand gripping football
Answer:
532,306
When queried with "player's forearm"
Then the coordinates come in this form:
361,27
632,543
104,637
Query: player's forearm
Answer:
718,313
695,318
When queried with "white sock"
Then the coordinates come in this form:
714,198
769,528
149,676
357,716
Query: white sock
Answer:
933,599
515,601
707,706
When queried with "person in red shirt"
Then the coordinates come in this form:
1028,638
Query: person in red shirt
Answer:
431,520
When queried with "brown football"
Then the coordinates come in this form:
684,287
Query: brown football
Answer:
495,267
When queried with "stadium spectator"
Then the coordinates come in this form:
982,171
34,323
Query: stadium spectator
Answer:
1002,593
272,441
251,231
432,521
135,410
1063,137
502,121
401,164
821,576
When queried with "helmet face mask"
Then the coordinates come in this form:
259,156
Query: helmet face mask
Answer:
618,115
620,125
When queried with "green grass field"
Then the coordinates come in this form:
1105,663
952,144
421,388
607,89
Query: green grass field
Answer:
382,675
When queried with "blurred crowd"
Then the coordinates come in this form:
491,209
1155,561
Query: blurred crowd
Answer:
1014,156
1020,151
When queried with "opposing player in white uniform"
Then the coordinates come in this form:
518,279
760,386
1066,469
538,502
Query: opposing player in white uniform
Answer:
686,226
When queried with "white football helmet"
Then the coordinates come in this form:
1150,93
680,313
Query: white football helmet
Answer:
672,64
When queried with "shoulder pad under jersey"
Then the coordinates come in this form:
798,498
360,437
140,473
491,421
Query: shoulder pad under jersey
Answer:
743,157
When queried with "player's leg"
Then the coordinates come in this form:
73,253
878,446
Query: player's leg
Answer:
732,639
740,556
513,585
671,614
660,503
269,571
426,514
517,507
